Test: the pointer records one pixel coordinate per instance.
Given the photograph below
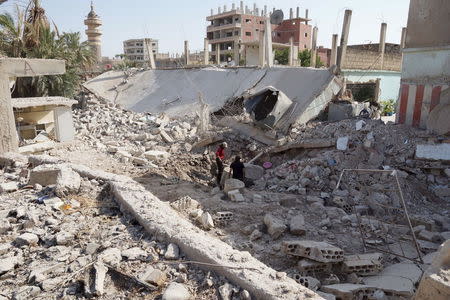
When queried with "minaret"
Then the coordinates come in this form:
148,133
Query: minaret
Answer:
93,22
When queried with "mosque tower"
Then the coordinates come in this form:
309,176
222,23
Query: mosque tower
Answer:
93,22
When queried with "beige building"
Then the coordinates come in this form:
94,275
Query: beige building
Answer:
137,50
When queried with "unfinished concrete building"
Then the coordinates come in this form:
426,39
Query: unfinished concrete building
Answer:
137,50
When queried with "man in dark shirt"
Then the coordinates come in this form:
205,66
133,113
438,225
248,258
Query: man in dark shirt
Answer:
237,167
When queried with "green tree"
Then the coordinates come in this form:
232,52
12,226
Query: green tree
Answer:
282,56
305,58
29,35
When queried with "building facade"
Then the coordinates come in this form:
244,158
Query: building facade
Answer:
425,76
230,29
137,50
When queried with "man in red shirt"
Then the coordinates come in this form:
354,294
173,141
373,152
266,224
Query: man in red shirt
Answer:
220,157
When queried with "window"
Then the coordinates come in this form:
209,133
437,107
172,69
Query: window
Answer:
293,23
247,33
248,21
306,34
236,19
257,29
261,22
236,32
153,44
305,46
278,34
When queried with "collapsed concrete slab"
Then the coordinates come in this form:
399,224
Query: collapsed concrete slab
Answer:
433,152
176,91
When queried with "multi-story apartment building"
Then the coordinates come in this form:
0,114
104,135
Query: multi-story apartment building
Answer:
229,29
136,50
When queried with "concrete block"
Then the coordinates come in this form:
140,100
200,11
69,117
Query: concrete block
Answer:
7,264
185,204
233,184
236,196
307,266
362,264
307,281
297,225
156,155
99,281
318,251
66,180
349,291
342,143
223,217
275,227
8,187
253,172
44,175
433,152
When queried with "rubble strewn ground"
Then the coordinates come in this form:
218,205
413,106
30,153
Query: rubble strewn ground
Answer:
57,240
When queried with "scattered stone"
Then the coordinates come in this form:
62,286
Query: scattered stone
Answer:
430,236
9,187
172,252
236,196
7,264
156,155
255,235
4,226
297,225
185,204
64,238
111,256
154,276
207,221
233,184
275,227
134,253
27,239
176,291
226,291
92,248
342,143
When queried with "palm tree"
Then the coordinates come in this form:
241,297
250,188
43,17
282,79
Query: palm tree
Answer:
12,34
30,35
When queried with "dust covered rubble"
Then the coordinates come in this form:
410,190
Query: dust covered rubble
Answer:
78,244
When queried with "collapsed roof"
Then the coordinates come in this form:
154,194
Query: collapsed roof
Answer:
176,92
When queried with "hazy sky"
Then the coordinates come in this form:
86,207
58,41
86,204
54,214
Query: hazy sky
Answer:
173,21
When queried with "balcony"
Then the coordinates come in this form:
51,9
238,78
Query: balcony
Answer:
211,28
223,39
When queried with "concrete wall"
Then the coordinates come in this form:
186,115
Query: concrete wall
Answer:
389,84
428,23
371,60
426,66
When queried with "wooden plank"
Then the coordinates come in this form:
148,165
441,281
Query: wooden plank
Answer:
306,144
20,67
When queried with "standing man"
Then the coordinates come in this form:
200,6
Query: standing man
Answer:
237,167
220,157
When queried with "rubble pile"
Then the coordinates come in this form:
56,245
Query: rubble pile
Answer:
62,235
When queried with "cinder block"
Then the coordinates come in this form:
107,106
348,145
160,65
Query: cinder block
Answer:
348,291
342,203
363,264
307,281
307,266
318,251
223,217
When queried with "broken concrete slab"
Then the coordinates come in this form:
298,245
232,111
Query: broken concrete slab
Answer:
430,236
35,148
306,144
236,196
318,251
248,130
396,286
433,152
99,281
66,180
13,159
134,253
207,220
275,227
154,276
307,281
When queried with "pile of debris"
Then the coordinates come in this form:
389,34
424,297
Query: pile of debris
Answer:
63,235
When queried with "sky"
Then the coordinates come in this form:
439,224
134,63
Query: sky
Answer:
174,21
